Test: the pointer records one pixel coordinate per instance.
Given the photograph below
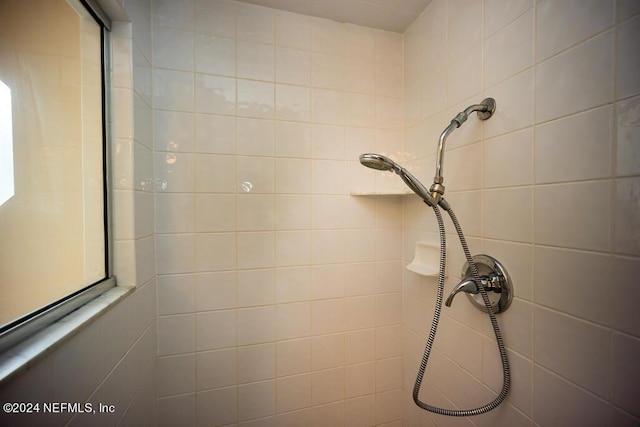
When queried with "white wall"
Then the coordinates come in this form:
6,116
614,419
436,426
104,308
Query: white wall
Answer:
282,303
549,186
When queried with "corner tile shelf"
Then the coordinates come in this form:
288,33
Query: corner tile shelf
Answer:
381,193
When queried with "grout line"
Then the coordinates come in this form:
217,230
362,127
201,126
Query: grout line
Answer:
532,319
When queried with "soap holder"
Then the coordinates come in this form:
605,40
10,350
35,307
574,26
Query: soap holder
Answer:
426,260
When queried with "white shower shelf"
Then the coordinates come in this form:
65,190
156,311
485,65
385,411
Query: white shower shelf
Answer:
382,193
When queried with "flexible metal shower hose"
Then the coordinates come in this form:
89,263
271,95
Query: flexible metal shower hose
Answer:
436,318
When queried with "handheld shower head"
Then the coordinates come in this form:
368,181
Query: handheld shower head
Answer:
383,163
377,161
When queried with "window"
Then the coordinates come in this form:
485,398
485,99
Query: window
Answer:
6,144
53,207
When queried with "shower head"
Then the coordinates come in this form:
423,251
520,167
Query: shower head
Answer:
377,161
383,163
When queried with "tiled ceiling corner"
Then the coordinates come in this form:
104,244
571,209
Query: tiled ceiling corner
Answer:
390,15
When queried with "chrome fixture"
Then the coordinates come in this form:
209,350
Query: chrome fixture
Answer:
481,274
484,110
493,277
383,163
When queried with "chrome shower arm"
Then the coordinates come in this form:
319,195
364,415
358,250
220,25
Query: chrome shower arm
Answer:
456,122
440,154
484,110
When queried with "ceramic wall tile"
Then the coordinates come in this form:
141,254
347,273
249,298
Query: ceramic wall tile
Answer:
554,36
593,61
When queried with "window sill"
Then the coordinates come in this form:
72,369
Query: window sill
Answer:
24,354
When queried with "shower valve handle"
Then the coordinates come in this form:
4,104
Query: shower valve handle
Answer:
491,283
468,285
493,278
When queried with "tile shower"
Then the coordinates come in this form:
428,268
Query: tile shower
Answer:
279,294
271,296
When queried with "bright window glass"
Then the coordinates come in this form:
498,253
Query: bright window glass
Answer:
6,144
52,225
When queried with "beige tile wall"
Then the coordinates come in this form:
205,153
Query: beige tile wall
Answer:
279,294
549,186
